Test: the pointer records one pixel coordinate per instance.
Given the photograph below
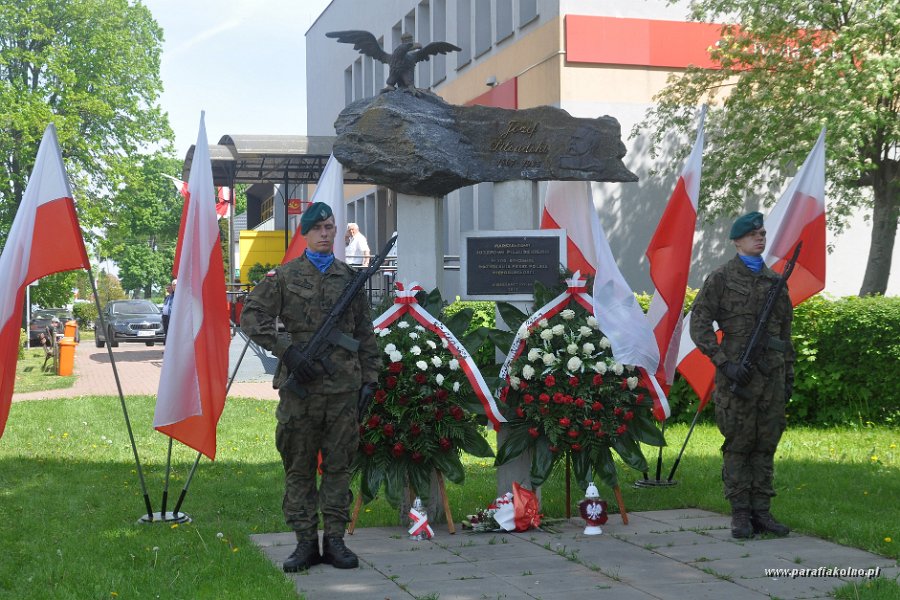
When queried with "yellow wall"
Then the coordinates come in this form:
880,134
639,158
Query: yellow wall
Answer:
266,247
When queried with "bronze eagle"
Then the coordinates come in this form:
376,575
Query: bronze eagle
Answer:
401,62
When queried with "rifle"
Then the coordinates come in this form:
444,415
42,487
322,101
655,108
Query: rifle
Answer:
759,339
319,347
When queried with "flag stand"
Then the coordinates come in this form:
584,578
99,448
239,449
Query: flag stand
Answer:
684,445
163,516
646,482
112,361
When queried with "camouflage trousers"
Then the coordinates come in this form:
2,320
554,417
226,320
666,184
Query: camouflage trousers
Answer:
326,422
752,429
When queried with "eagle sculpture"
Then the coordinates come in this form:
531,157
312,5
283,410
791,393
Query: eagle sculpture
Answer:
401,62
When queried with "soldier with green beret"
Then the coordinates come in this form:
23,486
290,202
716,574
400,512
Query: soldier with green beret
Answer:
733,296
321,414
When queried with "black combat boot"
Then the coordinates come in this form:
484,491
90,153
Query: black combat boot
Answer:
336,554
740,523
305,555
764,522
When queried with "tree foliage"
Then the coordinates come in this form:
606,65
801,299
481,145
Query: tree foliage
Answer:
54,290
787,70
92,67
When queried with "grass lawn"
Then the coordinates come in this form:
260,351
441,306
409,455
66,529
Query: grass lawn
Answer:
69,499
30,377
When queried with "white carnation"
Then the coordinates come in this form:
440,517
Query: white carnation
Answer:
549,358
514,382
584,331
395,356
546,334
431,344
527,372
568,314
439,379
534,354
542,323
558,330
422,365
618,368
455,386
420,328
415,350
574,364
402,324
588,349
413,335
604,343
384,333
389,348
523,332
600,367
453,364
632,382
591,321
572,348
444,343
436,361
629,368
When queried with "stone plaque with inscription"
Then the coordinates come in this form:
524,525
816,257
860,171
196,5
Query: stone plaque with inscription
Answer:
422,145
505,265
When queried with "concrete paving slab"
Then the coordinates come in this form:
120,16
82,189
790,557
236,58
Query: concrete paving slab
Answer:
710,590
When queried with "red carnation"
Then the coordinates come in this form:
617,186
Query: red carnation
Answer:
403,400
528,398
624,384
373,421
558,398
390,382
565,422
576,447
549,380
639,399
369,449
415,430
596,426
520,411
420,378
438,414
544,398
597,380
523,385
629,415
398,449
442,394
617,411
457,413
380,396
597,406
573,433
533,432
388,430
573,381
395,367
600,433
444,443
587,423
579,402
621,429
417,457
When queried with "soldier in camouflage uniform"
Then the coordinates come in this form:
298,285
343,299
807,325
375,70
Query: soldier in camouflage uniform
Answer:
733,296
317,412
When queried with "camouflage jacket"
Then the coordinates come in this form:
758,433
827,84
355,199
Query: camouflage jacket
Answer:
301,296
733,297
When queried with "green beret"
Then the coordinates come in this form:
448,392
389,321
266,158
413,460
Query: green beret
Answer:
744,225
318,211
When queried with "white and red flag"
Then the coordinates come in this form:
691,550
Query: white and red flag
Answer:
567,208
329,190
45,238
194,374
798,216
669,255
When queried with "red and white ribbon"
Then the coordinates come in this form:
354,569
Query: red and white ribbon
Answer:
405,302
420,524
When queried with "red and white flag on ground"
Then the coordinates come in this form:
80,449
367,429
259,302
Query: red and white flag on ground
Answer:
194,374
329,190
798,216
45,238
571,212
669,254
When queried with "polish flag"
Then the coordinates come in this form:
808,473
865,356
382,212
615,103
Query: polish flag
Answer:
45,238
798,216
329,190
194,374
669,254
571,213
223,202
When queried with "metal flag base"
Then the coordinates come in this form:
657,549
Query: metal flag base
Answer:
169,517
654,483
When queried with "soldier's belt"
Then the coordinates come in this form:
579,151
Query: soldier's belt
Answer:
777,344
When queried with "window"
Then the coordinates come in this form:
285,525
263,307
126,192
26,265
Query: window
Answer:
348,85
423,36
368,76
357,79
504,19
267,209
439,29
482,27
463,33
527,11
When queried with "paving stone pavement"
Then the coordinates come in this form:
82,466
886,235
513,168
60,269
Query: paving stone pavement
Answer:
660,555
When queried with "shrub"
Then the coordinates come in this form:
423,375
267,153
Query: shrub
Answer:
85,313
258,271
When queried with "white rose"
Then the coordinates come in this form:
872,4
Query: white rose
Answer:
558,330
422,365
395,356
525,334
377,330
439,379
549,358
600,367
574,364
455,386
604,343
413,335
572,348
534,354
389,348
415,350
591,321
584,331
436,361
618,368
384,333
453,364
444,343
588,349
420,328
402,324
514,382
568,314
431,344
546,334
632,382
542,323
527,371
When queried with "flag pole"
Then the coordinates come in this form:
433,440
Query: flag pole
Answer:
646,482
190,477
684,445
147,518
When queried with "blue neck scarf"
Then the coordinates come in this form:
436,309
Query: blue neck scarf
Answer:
754,263
321,261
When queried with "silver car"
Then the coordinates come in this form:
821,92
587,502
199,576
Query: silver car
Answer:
130,321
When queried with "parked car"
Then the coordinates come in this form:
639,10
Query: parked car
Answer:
130,321
42,317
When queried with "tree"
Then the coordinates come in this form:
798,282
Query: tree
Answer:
787,70
54,290
92,67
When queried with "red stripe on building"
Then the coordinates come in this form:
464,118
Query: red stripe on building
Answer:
504,95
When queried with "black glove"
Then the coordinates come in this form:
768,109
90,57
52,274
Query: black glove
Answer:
736,372
303,370
366,392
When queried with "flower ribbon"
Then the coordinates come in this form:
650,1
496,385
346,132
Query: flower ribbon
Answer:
577,291
420,524
405,302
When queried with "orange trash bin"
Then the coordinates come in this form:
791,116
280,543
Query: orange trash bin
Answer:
66,356
71,327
